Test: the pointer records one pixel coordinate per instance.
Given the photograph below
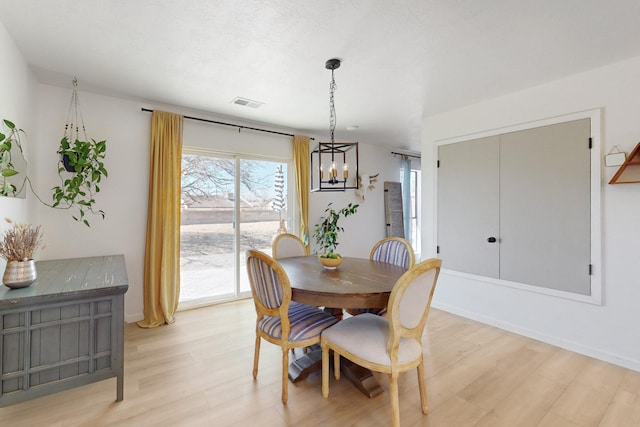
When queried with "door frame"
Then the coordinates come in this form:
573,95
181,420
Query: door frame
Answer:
595,117
292,216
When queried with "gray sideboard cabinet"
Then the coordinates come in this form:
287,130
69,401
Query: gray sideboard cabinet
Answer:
65,330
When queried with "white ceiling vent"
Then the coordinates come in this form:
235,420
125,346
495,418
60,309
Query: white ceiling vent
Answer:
247,102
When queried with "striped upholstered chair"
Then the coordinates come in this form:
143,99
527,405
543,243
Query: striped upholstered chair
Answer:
281,321
392,250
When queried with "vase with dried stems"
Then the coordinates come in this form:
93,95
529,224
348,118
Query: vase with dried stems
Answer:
17,247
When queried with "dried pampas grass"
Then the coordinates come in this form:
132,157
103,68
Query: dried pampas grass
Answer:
19,243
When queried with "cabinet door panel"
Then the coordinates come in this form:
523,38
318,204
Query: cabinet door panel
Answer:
545,198
468,206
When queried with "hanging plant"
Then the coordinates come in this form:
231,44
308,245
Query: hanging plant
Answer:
81,166
7,169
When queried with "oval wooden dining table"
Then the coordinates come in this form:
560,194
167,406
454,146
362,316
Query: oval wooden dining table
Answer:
356,283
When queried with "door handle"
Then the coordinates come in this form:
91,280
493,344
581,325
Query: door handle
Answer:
491,240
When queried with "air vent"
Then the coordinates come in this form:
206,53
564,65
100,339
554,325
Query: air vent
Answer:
247,102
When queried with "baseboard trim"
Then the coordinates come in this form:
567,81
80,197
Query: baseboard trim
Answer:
134,318
558,342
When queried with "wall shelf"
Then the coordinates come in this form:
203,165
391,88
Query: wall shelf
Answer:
629,171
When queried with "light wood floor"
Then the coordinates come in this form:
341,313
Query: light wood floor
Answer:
197,372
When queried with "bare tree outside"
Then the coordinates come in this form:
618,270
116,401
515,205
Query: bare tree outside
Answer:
207,232
205,176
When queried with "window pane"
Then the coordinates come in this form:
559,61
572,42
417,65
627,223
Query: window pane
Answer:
207,235
212,263
263,208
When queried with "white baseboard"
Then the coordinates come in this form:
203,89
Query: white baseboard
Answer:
134,318
558,342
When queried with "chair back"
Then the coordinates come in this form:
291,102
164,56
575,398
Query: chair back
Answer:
288,245
270,285
410,301
393,250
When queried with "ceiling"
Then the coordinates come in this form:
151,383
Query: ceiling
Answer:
401,59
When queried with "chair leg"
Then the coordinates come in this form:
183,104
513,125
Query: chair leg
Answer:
256,356
336,364
285,375
395,404
423,388
325,370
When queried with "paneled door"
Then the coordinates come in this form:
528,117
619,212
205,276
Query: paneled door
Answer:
517,207
468,202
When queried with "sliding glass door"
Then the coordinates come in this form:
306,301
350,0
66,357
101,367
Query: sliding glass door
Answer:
217,227
263,196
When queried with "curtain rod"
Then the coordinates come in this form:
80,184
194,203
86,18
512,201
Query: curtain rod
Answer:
231,124
405,154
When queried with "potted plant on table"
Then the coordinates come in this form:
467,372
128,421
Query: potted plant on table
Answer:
17,247
326,234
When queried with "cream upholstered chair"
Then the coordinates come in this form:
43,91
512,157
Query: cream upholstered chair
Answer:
391,344
281,321
392,250
287,245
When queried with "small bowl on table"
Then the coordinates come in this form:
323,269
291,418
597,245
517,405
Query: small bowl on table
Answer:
330,263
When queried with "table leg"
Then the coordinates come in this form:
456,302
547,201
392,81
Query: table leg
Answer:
120,387
361,377
335,312
301,367
311,361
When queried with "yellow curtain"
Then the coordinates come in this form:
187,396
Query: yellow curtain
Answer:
302,160
162,252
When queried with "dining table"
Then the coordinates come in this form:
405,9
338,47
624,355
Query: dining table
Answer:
356,283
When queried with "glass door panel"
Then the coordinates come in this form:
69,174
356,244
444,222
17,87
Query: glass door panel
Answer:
263,208
207,233
212,263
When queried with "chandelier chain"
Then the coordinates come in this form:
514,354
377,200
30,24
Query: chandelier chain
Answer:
332,107
336,178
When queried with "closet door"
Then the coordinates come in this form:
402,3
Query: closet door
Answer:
468,206
545,222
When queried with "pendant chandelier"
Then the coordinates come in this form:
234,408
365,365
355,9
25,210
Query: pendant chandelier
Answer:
335,174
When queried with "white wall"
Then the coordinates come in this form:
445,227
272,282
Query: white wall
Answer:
367,226
17,105
124,194
362,230
41,110
610,331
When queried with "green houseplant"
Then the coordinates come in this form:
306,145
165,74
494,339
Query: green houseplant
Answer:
80,166
83,159
326,233
7,169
